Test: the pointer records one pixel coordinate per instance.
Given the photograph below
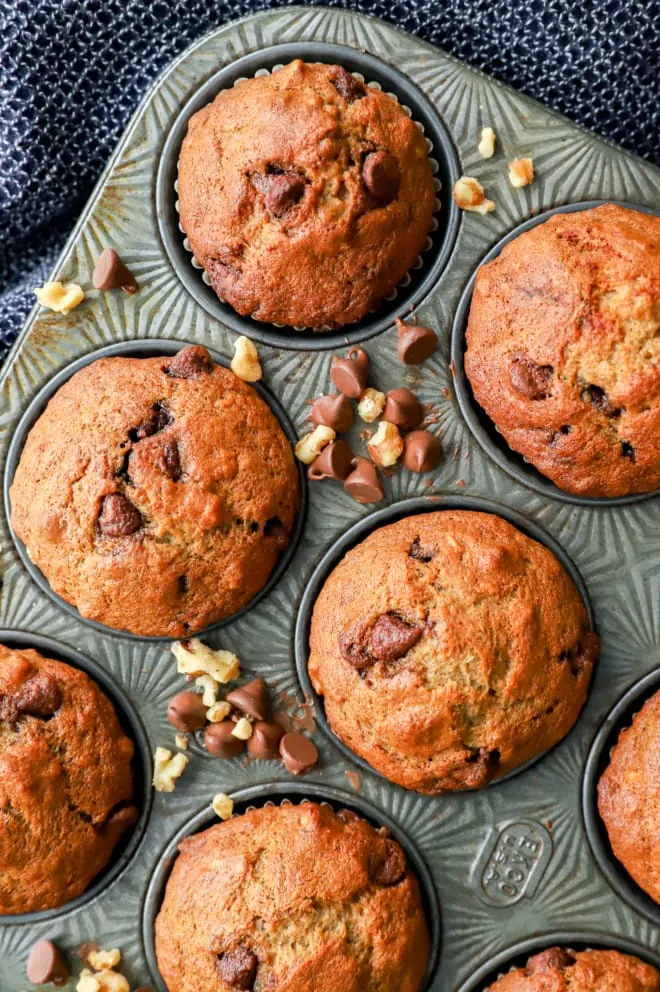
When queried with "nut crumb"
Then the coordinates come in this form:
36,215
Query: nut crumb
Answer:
371,405
209,689
311,445
386,445
218,711
469,195
102,981
223,806
486,147
194,658
245,363
167,769
181,742
521,172
104,960
243,729
60,297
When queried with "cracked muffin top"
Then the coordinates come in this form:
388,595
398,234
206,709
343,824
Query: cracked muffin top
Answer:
563,349
629,798
557,970
306,195
66,787
155,494
292,899
450,649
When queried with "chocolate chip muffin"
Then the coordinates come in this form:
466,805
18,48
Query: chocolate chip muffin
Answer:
306,195
629,798
450,649
292,899
66,788
155,494
563,350
557,970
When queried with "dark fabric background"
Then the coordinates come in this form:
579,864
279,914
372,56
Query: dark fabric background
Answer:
72,71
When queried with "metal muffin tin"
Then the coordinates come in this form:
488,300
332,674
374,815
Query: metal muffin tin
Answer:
511,862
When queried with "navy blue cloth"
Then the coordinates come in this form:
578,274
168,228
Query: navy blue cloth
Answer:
72,72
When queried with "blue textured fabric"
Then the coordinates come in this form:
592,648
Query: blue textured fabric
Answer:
72,71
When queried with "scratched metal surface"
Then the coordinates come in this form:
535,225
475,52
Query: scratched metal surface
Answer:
508,863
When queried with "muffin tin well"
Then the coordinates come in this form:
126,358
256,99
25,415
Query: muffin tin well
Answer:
140,349
491,895
420,279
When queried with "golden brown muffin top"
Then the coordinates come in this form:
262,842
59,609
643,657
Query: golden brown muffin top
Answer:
66,787
292,899
450,649
305,195
629,798
564,352
155,494
557,970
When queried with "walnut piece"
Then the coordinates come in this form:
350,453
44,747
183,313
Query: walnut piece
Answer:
167,769
469,195
223,806
521,172
194,658
386,445
181,742
371,405
243,729
311,445
209,689
60,297
218,712
245,363
486,146
102,981
104,960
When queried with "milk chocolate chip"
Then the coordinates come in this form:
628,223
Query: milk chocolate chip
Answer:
192,362
251,699
298,753
403,409
334,462
347,85
415,343
392,868
111,273
422,451
350,374
263,744
531,380
554,957
237,968
363,483
381,176
280,190
46,966
118,516
39,696
392,637
333,411
159,420
599,399
186,711
172,461
220,741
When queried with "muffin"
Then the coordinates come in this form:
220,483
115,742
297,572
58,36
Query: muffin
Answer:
292,899
66,787
563,350
629,798
306,195
557,970
450,649
155,494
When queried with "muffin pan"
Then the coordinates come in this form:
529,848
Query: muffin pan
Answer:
491,895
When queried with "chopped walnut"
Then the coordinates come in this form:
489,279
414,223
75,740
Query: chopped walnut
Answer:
486,145
245,363
521,172
311,445
371,405
386,445
181,742
167,769
243,729
102,981
218,712
223,806
194,658
469,195
60,297
209,689
104,960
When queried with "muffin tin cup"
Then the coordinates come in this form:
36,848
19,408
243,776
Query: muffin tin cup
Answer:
518,954
361,530
420,279
279,793
618,719
142,771
481,426
145,348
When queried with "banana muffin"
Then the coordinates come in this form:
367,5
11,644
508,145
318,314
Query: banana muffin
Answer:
629,798
563,350
292,899
557,970
155,494
305,194
450,649
66,786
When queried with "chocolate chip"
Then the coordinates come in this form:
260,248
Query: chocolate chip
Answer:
251,699
531,380
354,647
599,399
350,374
39,696
46,965
186,711
363,483
298,753
415,343
111,273
403,409
237,968
263,744
171,460
347,85
392,637
220,742
334,462
483,763
223,275
118,516
553,958
419,553
280,190
182,583
192,362
275,528
159,420
422,451
627,451
392,868
381,176
333,411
